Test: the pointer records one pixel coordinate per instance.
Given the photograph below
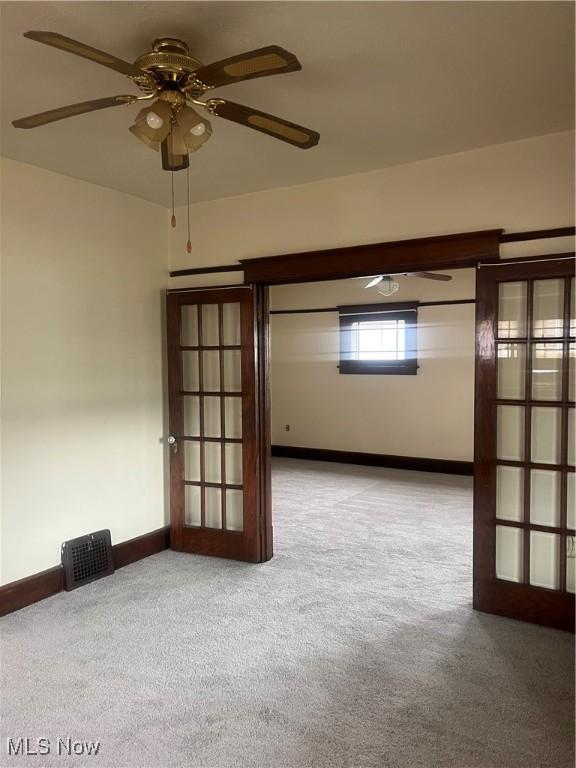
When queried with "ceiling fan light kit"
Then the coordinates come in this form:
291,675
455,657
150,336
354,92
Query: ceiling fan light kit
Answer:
387,286
177,81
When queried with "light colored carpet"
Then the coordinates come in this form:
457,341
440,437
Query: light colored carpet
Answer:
355,646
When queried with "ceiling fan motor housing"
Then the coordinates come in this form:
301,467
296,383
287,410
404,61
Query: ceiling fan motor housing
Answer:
169,61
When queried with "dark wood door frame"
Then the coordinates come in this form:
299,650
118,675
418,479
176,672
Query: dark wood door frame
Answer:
450,252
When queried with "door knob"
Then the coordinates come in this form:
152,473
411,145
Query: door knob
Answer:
173,442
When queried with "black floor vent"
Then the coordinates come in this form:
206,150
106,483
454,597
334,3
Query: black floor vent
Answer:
86,559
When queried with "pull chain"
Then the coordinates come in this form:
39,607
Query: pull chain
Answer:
189,243
173,220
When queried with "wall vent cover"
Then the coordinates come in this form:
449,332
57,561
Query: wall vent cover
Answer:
87,558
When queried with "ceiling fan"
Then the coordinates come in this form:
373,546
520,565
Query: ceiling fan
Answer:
176,80
386,285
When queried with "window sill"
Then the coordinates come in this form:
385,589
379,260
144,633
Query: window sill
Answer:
375,369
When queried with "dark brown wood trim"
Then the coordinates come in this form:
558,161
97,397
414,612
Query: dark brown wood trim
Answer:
31,589
362,307
445,303
302,311
527,259
444,252
207,270
537,234
264,421
511,237
444,466
198,288
142,546
19,594
389,306
529,269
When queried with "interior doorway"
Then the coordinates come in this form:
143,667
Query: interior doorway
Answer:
550,603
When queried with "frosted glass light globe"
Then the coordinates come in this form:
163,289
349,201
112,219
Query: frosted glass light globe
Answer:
198,130
388,286
154,121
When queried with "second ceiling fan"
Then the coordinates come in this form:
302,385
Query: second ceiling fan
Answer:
386,285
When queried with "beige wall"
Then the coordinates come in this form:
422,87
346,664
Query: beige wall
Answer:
83,269
518,186
428,415
521,185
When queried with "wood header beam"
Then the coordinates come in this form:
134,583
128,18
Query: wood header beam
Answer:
538,234
428,253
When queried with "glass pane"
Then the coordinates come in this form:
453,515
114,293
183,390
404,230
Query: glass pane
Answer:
231,324
190,378
233,411
545,435
509,553
545,497
547,371
234,514
544,559
189,326
510,432
212,462
572,372
213,511
511,310
191,460
511,371
378,340
192,505
571,436
211,371
233,463
212,417
232,370
548,309
570,564
509,493
571,500
210,330
191,416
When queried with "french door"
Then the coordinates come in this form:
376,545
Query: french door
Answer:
217,501
524,495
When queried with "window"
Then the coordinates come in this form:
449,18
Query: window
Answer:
378,339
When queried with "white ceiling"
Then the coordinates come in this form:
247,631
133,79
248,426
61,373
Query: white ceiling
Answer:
383,82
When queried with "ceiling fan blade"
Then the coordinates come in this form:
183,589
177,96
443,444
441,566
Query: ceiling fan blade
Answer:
42,118
374,282
87,52
432,276
261,121
271,60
